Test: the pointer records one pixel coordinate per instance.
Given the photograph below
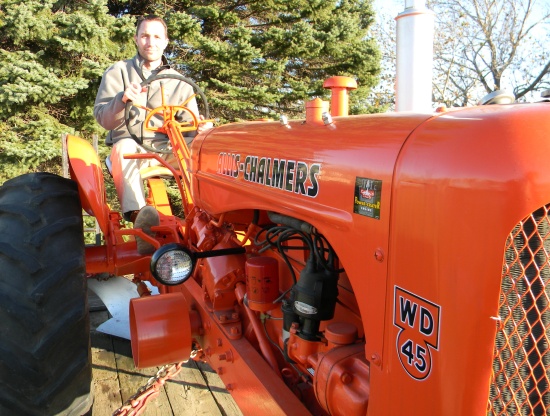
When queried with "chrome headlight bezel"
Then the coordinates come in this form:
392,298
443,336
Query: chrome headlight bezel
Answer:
162,264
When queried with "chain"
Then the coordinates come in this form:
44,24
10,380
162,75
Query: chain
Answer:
136,404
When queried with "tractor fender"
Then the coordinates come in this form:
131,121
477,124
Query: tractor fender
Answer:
85,169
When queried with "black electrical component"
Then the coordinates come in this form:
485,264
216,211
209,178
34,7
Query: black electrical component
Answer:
314,299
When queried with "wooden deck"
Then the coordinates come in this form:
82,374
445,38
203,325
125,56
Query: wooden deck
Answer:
196,390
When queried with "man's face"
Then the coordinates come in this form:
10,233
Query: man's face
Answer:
151,40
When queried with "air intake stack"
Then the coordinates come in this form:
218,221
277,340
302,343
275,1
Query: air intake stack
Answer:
413,83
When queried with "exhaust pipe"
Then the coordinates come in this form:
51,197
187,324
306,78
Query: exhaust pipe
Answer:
413,82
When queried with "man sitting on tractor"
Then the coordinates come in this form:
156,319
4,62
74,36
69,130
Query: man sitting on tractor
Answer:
121,83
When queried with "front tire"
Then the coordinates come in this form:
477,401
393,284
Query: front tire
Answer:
45,359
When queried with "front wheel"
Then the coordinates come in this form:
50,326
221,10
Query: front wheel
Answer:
45,360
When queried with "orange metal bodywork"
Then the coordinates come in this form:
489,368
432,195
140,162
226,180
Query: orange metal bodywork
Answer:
156,344
86,166
453,186
417,207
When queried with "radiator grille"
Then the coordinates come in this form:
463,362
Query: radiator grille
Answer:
520,380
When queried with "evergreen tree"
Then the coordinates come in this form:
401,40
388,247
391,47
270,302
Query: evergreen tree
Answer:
253,59
52,55
263,58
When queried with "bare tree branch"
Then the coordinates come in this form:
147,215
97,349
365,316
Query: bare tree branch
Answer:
498,37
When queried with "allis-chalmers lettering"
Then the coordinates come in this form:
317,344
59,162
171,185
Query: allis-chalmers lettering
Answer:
289,175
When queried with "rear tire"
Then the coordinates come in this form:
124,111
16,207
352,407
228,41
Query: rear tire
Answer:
45,359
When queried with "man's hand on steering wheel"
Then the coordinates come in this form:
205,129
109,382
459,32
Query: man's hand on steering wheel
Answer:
132,92
204,126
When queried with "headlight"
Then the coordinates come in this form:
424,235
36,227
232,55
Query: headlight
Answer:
172,264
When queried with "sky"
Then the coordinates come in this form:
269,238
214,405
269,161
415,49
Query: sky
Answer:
391,7
386,10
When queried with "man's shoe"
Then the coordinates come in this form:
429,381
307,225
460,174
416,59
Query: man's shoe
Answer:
130,216
147,217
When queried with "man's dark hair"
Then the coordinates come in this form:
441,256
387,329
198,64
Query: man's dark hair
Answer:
152,18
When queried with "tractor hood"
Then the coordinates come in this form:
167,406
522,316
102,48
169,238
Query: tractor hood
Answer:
350,165
307,168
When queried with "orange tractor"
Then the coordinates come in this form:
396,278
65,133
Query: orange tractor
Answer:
337,265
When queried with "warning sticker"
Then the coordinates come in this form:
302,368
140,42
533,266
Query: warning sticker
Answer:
368,193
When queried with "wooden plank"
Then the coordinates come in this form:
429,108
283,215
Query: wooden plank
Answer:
223,398
105,383
115,378
94,303
131,379
189,393
196,390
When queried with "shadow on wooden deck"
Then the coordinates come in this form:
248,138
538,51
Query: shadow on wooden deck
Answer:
196,390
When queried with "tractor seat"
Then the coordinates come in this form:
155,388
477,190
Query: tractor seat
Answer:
146,173
155,171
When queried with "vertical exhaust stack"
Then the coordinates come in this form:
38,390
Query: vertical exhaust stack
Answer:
413,83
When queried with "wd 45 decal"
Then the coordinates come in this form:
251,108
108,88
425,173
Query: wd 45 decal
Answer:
368,193
418,320
289,175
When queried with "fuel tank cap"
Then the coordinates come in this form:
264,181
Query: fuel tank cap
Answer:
497,97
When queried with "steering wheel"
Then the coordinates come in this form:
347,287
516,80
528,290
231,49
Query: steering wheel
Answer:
166,111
